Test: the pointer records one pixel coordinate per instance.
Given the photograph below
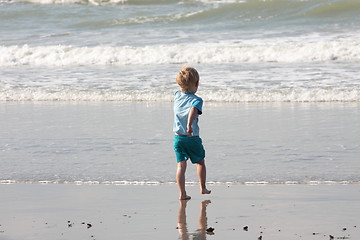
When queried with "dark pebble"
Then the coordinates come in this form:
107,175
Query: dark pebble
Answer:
89,225
246,228
210,230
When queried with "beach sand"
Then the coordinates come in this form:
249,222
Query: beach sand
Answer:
99,211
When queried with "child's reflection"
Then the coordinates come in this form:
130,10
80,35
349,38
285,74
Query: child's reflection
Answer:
182,226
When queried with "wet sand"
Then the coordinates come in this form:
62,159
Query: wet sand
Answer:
256,142
68,211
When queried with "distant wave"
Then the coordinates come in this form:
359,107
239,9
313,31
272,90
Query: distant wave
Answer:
275,95
208,53
226,13
241,11
304,8
98,2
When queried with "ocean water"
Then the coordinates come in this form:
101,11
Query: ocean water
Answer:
86,89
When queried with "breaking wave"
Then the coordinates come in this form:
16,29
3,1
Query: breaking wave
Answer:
180,53
276,95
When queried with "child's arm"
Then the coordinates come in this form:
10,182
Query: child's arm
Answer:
193,112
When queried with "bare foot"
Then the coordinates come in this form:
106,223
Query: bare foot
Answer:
206,202
187,197
205,191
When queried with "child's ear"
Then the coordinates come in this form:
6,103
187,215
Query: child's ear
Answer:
197,84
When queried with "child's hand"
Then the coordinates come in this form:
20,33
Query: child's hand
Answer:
189,130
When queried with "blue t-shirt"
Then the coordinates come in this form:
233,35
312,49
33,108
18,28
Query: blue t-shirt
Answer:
182,104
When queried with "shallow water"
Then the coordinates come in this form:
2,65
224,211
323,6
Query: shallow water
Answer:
132,142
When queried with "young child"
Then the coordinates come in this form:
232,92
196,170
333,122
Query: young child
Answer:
187,143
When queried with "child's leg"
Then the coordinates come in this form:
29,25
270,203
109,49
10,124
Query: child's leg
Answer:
180,179
201,171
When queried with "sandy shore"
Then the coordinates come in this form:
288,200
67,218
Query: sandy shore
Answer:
67,211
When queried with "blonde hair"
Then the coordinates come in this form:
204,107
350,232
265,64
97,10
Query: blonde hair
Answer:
187,78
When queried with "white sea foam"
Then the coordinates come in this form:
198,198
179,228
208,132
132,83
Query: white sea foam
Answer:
286,95
278,95
155,183
180,53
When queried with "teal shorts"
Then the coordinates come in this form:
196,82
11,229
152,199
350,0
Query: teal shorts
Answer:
188,147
